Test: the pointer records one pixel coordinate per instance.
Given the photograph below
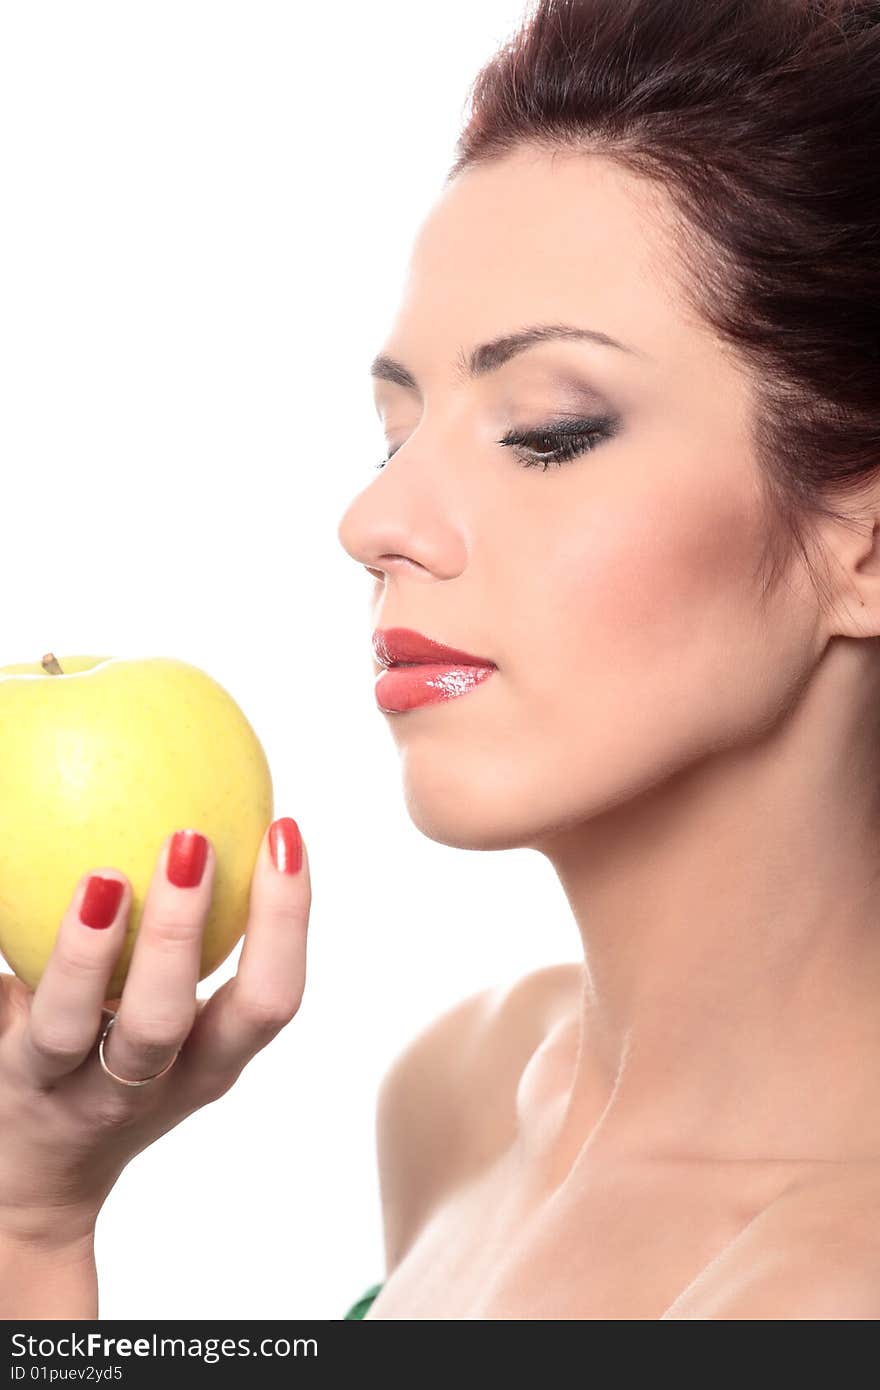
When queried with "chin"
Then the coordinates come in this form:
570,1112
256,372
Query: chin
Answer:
469,798
468,805
458,801
452,825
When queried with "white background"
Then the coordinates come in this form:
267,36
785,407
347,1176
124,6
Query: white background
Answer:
207,209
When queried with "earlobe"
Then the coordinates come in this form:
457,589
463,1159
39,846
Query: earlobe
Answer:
857,594
868,561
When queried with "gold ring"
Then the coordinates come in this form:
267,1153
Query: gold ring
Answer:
124,1080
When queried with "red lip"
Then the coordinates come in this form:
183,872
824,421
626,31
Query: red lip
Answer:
393,646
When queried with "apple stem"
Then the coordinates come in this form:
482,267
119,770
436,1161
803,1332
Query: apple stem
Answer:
51,665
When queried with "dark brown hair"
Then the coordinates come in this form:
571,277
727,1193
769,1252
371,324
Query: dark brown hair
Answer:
761,121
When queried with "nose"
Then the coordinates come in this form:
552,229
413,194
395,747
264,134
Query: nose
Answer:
393,531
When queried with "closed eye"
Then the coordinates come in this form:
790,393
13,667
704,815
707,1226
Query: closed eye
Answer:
567,440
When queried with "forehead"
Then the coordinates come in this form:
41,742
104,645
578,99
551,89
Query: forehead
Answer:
539,236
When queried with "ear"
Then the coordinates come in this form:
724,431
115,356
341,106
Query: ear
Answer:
852,549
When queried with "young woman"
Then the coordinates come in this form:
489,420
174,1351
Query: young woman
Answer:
632,404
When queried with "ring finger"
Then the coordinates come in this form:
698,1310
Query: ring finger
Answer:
66,1007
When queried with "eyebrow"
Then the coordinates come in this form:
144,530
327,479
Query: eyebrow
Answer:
488,357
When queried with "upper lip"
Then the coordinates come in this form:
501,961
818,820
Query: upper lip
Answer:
395,646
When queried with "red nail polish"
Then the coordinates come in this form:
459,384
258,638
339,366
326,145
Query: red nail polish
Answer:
285,845
101,901
187,856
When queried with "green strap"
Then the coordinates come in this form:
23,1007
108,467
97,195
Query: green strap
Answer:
359,1309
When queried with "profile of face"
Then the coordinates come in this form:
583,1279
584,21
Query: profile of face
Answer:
617,589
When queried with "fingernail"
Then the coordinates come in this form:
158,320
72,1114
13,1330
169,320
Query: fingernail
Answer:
101,901
285,845
186,858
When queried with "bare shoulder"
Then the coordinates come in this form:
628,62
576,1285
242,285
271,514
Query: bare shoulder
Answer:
445,1104
814,1253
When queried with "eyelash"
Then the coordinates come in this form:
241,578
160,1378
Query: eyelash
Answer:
575,436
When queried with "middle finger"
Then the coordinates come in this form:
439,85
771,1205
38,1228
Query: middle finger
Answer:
158,1003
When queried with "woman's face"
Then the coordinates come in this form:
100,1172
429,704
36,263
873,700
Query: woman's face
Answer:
618,594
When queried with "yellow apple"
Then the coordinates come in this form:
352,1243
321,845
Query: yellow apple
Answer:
101,758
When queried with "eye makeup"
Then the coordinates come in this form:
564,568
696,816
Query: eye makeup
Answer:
558,443
551,445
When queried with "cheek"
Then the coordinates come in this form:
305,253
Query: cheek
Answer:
651,597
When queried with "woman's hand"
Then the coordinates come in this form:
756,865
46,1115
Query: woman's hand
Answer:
66,1128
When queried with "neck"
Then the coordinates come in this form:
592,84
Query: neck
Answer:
730,922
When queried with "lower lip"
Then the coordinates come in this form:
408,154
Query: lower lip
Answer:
406,687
